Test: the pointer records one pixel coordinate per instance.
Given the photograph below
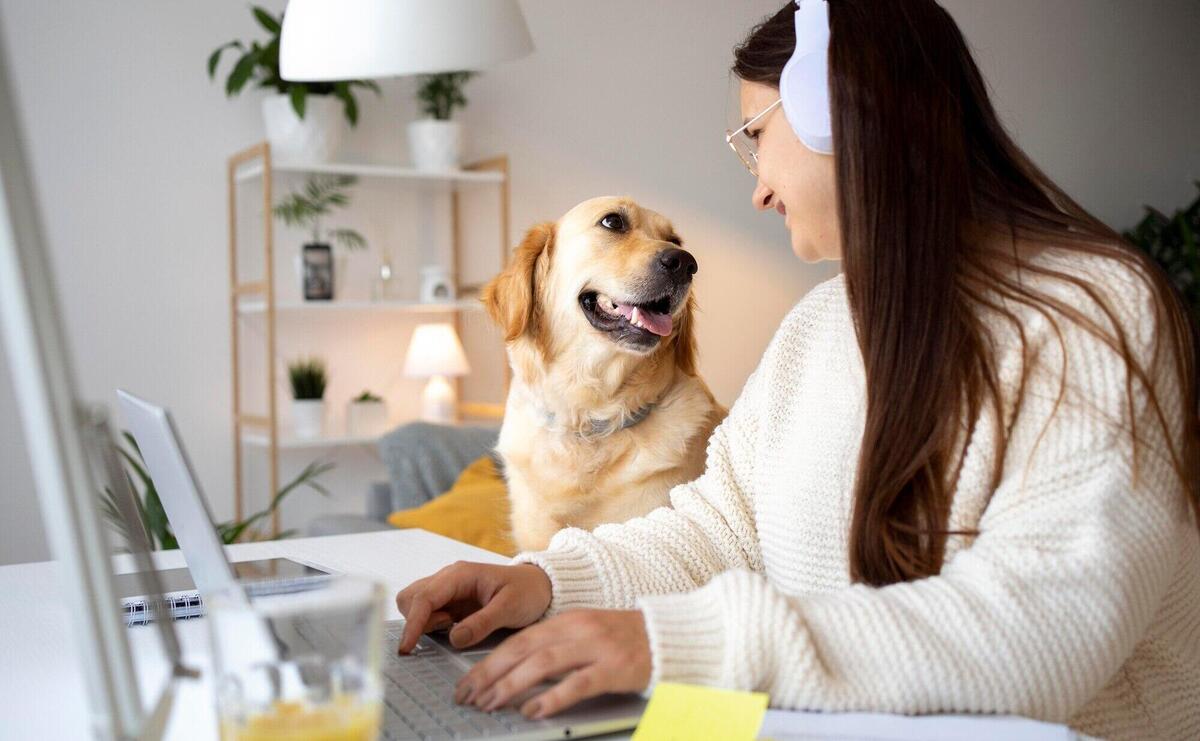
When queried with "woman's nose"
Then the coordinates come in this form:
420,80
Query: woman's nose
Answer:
762,196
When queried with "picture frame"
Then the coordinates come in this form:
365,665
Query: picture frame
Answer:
318,272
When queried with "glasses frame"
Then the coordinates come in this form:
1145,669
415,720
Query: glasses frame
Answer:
752,164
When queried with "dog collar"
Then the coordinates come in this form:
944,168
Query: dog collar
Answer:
599,428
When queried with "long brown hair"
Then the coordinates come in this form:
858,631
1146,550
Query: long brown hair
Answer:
921,158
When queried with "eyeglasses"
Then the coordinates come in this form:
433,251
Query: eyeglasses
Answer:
743,146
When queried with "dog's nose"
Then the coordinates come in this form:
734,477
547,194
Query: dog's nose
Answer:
677,263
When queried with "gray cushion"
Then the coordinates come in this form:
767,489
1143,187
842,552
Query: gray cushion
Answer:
424,460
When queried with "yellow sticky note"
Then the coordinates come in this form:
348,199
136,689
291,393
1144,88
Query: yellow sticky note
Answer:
686,712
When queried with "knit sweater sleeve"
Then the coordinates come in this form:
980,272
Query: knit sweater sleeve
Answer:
1074,555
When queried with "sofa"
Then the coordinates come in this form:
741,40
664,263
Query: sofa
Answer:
423,460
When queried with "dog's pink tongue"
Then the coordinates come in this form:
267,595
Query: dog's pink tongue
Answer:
659,324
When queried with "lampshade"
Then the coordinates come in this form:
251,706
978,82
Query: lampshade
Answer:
435,351
365,39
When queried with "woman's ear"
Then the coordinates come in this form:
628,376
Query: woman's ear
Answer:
511,297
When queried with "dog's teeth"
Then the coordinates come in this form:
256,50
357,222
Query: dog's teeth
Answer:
636,317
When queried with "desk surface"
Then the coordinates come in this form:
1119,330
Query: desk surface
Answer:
41,686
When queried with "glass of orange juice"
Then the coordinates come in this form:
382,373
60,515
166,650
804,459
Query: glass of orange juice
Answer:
302,666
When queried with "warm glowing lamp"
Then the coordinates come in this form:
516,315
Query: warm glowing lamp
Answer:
436,353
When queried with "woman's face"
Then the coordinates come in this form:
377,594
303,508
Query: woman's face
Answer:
792,179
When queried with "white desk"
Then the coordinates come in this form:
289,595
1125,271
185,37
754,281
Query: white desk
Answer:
41,687
42,694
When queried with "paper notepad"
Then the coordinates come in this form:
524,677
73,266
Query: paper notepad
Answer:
685,712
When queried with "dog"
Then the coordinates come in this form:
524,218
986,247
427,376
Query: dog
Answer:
605,412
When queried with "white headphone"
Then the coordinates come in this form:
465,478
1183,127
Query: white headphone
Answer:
804,84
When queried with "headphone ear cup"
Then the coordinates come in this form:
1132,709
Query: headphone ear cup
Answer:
804,83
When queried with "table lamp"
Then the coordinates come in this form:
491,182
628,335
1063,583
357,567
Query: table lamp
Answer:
436,353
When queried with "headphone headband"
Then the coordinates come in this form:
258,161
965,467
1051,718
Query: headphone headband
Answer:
804,83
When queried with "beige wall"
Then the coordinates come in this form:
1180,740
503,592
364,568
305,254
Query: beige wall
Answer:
128,138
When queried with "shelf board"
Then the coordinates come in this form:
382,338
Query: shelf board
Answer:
262,440
323,307
255,170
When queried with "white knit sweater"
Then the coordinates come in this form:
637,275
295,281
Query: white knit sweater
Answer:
1078,603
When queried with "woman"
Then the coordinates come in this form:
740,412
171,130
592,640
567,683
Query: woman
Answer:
963,477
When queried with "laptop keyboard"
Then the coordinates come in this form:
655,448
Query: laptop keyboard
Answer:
418,694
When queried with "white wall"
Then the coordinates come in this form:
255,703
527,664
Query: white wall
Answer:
128,140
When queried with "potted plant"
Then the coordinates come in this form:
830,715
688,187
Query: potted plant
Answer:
435,141
154,517
1174,243
308,396
303,120
366,415
315,266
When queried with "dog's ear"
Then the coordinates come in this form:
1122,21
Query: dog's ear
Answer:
511,297
685,339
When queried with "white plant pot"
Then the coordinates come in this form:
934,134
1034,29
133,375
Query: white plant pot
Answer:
315,138
366,418
433,144
308,417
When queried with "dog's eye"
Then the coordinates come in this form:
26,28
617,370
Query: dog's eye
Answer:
614,222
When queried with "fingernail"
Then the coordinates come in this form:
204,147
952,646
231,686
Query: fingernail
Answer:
460,636
532,710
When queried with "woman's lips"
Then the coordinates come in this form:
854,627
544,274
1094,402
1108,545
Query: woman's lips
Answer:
781,209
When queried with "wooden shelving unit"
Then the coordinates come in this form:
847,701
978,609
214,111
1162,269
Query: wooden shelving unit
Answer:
258,299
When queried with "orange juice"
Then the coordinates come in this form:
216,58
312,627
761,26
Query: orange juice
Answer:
343,719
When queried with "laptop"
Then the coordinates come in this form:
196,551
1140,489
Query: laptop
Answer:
419,687
187,510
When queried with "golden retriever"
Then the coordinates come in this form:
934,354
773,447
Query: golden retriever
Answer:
605,413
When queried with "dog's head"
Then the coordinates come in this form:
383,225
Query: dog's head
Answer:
608,269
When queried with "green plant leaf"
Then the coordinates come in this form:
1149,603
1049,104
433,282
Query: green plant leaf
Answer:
266,20
307,477
215,57
241,73
348,238
299,94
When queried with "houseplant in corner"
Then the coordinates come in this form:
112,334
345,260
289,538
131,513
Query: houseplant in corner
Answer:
308,380
435,141
304,209
1174,243
303,120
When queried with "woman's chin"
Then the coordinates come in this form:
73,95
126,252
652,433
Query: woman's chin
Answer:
807,252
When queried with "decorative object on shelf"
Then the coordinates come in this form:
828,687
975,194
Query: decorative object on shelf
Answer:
1174,243
436,353
321,194
154,517
304,121
437,286
445,40
308,379
435,142
366,415
318,272
383,288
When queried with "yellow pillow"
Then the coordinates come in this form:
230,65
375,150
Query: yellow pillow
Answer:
475,510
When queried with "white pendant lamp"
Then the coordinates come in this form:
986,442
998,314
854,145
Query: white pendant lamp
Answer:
365,39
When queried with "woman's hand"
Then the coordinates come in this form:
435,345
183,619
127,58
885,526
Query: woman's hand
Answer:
479,597
598,651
